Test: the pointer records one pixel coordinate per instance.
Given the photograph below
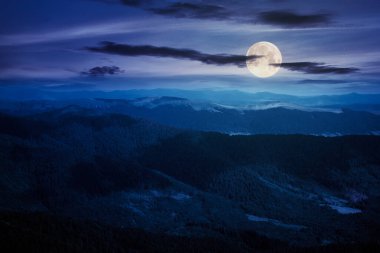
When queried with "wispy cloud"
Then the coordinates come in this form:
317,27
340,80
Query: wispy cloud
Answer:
323,81
222,11
78,32
189,54
191,10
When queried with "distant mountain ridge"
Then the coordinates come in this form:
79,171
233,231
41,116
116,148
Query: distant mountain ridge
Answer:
226,97
262,118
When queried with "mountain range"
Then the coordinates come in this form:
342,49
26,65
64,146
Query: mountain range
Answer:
260,118
97,164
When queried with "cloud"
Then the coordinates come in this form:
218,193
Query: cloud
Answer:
76,32
191,10
135,3
323,81
316,68
102,71
148,50
291,19
222,11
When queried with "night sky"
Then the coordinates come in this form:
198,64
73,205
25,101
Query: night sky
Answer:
328,46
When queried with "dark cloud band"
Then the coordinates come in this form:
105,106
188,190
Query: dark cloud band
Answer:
291,19
316,68
188,54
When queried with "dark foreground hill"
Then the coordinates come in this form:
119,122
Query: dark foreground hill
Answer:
40,233
141,186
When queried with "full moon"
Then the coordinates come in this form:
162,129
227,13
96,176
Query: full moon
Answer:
268,54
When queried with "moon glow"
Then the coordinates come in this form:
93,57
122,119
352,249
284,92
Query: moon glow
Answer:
268,54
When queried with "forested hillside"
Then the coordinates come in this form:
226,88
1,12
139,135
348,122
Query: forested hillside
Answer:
184,187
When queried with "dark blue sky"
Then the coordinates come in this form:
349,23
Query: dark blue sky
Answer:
328,47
